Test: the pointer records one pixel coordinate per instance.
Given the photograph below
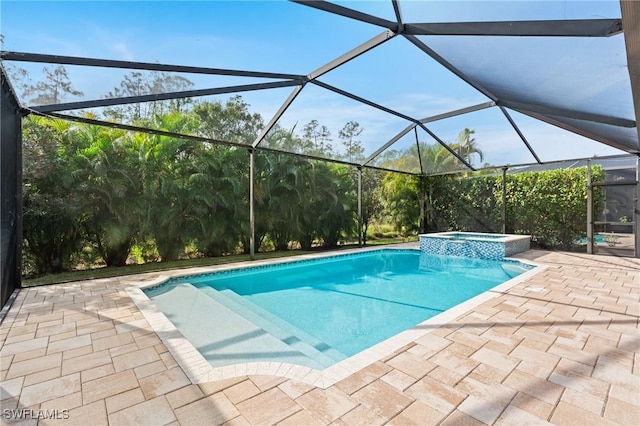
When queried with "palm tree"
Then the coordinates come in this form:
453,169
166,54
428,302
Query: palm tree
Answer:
281,181
435,159
216,202
165,163
53,207
110,184
466,146
335,197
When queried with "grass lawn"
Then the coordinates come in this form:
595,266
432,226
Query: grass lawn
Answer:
185,263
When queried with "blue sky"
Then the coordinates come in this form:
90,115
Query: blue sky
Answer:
286,37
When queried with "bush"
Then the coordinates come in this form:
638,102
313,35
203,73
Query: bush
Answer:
381,230
551,206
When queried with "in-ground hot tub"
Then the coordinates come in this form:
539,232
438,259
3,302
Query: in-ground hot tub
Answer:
472,244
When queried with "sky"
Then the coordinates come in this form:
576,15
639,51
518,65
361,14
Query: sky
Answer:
286,37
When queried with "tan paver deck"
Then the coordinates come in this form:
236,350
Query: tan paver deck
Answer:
561,347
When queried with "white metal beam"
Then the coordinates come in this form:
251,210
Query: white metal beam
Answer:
353,53
460,111
277,115
389,143
429,119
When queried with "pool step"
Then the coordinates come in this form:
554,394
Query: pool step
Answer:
222,335
277,327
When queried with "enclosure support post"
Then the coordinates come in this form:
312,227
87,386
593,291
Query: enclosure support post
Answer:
360,239
252,222
422,212
504,199
636,211
589,210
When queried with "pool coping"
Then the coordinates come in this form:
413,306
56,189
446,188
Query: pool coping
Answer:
477,236
199,370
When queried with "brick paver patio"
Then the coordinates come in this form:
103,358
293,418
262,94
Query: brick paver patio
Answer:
559,348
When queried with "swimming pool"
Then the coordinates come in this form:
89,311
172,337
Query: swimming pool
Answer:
319,312
608,239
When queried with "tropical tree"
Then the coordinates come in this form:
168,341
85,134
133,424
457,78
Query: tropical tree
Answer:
163,82
322,201
136,84
316,139
283,139
281,180
165,164
401,193
372,205
437,159
337,200
52,89
53,204
467,147
216,205
17,75
111,190
402,160
434,158
231,121
354,151
402,199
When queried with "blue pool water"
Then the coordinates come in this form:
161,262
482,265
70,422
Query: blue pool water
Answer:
321,311
597,239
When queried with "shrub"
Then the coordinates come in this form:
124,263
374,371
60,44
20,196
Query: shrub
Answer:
551,206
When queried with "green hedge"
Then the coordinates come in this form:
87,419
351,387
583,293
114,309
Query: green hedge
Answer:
551,206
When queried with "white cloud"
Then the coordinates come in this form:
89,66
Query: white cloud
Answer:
502,146
122,51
